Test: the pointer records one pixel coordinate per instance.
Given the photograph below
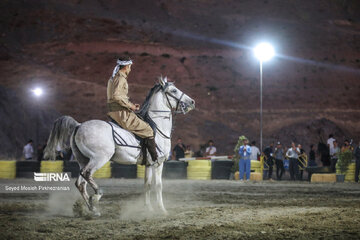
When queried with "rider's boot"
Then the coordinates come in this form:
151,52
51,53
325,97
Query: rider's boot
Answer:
144,152
151,147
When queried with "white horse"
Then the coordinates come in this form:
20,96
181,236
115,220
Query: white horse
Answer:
94,143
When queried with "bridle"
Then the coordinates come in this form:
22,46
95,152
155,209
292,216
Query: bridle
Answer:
177,103
176,111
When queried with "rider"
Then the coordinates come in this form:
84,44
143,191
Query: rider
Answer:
122,110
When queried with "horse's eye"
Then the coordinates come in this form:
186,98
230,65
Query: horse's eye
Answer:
173,91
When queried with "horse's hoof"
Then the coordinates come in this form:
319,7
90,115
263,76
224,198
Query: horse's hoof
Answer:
149,208
94,199
164,212
97,214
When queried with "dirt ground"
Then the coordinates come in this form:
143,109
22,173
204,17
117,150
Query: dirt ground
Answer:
197,210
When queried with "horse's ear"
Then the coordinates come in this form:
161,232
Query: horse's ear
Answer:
162,81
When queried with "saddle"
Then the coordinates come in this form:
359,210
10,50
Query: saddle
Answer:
119,140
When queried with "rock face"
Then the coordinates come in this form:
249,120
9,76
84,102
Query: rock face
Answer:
69,48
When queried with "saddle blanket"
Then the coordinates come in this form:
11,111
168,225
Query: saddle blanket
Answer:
123,137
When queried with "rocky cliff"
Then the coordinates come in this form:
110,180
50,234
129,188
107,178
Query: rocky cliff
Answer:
70,48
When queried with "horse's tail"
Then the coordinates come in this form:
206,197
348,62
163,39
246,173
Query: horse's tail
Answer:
60,136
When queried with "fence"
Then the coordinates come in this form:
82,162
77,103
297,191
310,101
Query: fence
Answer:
186,168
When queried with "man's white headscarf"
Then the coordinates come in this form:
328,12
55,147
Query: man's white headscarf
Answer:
120,63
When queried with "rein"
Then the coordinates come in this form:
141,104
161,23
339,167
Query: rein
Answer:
171,111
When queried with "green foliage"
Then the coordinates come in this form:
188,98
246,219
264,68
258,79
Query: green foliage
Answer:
344,160
236,156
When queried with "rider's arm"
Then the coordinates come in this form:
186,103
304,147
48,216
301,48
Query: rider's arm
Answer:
120,93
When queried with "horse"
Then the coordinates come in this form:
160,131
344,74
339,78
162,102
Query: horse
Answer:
93,142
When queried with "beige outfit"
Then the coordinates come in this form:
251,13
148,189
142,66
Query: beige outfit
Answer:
120,107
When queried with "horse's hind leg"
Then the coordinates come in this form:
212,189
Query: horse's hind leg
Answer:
81,183
87,172
98,192
81,186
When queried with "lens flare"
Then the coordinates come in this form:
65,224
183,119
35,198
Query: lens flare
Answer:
37,91
264,52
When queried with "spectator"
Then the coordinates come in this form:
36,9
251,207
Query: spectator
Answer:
279,161
268,154
211,149
179,150
201,151
334,156
40,151
323,150
301,159
330,142
312,160
293,155
244,162
357,163
346,146
189,153
28,150
255,152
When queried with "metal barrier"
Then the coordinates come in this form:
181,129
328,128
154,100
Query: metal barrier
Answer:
303,161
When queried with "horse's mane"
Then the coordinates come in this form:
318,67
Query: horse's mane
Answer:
144,111
145,106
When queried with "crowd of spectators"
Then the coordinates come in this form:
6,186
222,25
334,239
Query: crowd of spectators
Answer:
181,150
293,157
30,154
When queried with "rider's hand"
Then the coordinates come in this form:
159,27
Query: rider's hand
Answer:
136,107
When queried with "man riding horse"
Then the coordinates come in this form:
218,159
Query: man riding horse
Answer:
93,143
122,110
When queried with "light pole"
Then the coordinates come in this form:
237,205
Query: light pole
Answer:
38,92
263,52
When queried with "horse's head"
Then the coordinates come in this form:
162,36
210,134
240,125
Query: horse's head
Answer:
176,99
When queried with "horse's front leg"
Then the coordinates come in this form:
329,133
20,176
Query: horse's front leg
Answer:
158,187
147,187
